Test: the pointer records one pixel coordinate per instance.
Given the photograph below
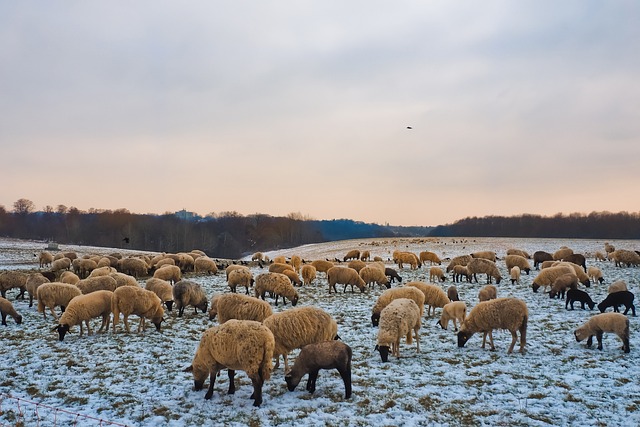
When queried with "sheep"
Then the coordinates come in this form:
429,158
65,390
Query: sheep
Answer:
411,292
519,261
258,256
539,257
125,280
34,280
398,319
240,277
608,248
357,265
604,322
45,259
61,264
500,313
410,258
582,297
238,306
623,257
429,256
141,302
232,267
277,284
6,309
372,275
459,271
618,298
170,273
547,275
102,271
595,274
104,262
452,293
392,275
577,259
487,292
189,293
599,256
163,289
296,262
165,261
11,279
92,284
83,308
278,267
562,253
323,355
582,276
515,274
244,345
69,277
455,310
206,265
484,266
434,296
321,265
519,252
135,267
308,273
436,273
365,256
617,286
459,260
83,267
352,254
345,276
488,255
55,293
186,262
293,276
298,327
562,283
279,260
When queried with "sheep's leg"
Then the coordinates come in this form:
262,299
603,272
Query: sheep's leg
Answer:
141,325
599,338
4,319
417,330
286,362
484,339
589,340
232,384
212,382
345,373
514,339
125,320
257,390
89,332
311,382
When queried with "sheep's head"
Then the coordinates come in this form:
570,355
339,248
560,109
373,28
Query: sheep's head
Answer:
18,319
384,352
169,305
581,334
463,337
587,283
199,376
535,287
292,382
591,305
294,300
62,330
375,319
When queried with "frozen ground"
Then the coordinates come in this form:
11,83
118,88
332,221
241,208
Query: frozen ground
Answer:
137,379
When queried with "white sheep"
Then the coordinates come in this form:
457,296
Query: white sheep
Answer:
163,289
238,306
455,311
240,277
344,276
55,293
605,322
277,284
187,293
83,308
411,292
398,319
130,300
434,296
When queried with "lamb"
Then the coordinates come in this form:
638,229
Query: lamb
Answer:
436,273
365,256
321,265
595,274
344,276
456,310
618,298
135,267
244,345
484,266
434,296
547,276
55,293
240,277
130,300
617,286
582,297
487,293
187,293
352,254
10,279
45,259
92,284
298,327
452,293
411,292
398,319
519,261
459,260
608,248
34,280
278,267
293,276
459,271
83,308
500,313
605,322
429,256
410,258
372,275
624,257
599,256
392,275
308,273
488,255
539,257
204,264
238,306
6,309
515,274
163,289
562,284
276,284
519,252
170,273
562,253
323,355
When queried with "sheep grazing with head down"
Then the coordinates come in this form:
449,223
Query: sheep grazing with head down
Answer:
459,260
429,256
599,256
277,284
605,322
595,275
6,309
238,306
99,283
34,280
500,313
582,276
124,279
187,293
488,255
373,275
293,276
135,267
345,276
258,256
452,293
130,300
562,253
484,266
357,265
244,345
240,277
517,261
616,299
55,293
515,274
308,273
352,254
547,276
455,311
365,256
582,297
392,275
562,284
487,292
410,292
460,271
434,296
541,256
323,355
435,274
204,264
296,263
163,289
322,266
519,252
402,257
45,259
624,257
577,259
279,267
69,277
83,308
10,279
170,273
400,318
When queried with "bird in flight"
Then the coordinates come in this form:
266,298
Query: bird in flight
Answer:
409,127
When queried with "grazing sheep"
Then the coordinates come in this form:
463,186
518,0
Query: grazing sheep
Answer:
206,265
487,292
616,299
238,306
277,284
321,265
125,280
165,261
617,286
434,296
459,260
296,262
562,284
323,355
608,248
345,276
102,271
435,274
605,322
456,310
577,259
34,280
365,256
410,258
170,273
187,293
519,252
514,272
429,256
500,313
258,256
392,275
459,271
163,289
298,327
484,266
6,309
352,254
623,257
357,265
240,277
60,264
547,276
100,283
398,319
83,308
595,274
278,267
135,267
452,293
55,293
232,267
411,292
281,259
83,267
130,300
582,276
244,345
562,253
599,256
519,261
10,279
582,297
69,277
308,273
293,276
539,257
373,275
488,255
45,259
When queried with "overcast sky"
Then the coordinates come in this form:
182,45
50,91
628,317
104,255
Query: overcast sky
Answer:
303,106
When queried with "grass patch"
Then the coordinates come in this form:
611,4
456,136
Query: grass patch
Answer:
429,403
571,398
536,396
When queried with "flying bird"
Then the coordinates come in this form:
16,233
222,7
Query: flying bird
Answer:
409,127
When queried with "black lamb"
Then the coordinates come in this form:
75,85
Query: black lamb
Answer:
582,297
616,299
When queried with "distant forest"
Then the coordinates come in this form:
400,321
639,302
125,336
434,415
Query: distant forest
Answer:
231,235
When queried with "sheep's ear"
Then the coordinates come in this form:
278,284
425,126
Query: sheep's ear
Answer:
188,369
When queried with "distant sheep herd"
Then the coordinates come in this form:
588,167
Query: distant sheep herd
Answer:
250,335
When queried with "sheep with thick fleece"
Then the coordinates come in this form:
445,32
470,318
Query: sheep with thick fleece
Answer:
69,277
501,313
616,299
392,275
514,272
617,286
539,257
624,257
455,310
135,267
293,276
488,255
125,280
577,259
520,252
563,283
61,264
296,263
452,293
599,256
279,267
10,279
204,264
163,289
595,274
608,248
605,322
258,256
401,258
102,271
373,275
83,267
309,274
240,277
434,296
435,274
322,265
365,256
352,254
562,253
432,257
484,266
232,267
55,293
238,306
345,276
357,265
578,270
460,271
45,259
459,260
83,308
277,284
187,293
411,292
400,318
547,276
298,327
170,273
281,259
487,292
7,309
130,300
519,261
34,280
100,283
244,345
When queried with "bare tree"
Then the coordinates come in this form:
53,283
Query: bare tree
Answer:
23,206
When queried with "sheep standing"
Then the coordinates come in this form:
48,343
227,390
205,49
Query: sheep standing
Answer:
344,276
500,313
562,284
238,306
624,257
616,299
352,254
459,260
135,267
456,310
170,273
582,297
487,292
34,280
488,255
187,293
517,261
434,296
411,292
99,283
277,284
365,256
240,277
547,276
55,293
6,309
398,319
163,289
595,274
429,256
322,266
460,271
10,279
452,293
410,258
392,275
515,274
435,274
605,322
83,308
130,300
541,256
308,273
483,266
519,252
206,265
244,345
373,275
280,267
45,259
562,253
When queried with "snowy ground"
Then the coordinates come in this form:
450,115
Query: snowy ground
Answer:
137,379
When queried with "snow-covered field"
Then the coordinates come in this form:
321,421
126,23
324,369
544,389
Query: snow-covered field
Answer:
138,379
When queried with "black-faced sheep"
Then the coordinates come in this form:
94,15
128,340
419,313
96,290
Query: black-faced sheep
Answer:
595,275
238,306
55,293
517,261
582,297
373,275
163,289
562,284
6,309
500,313
539,257
434,296
240,277
411,292
429,256
258,256
455,311
352,254
323,355
484,266
308,273
605,322
435,274
400,318
244,345
392,275
578,270
344,276
187,293
130,300
277,284
60,265
83,308
616,299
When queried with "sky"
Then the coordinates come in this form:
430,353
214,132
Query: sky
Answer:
303,106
